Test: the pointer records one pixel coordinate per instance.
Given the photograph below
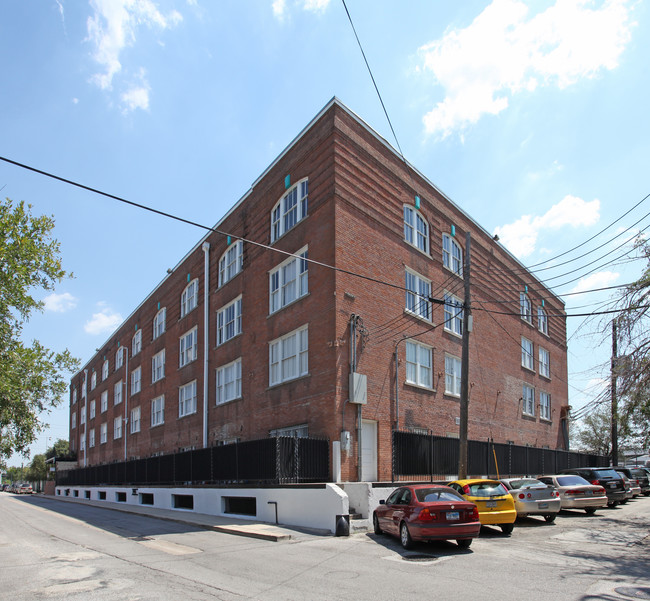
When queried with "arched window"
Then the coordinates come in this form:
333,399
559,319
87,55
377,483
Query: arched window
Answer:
542,320
290,209
452,254
160,323
231,262
190,297
416,229
525,308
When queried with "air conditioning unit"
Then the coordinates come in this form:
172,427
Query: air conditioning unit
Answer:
358,388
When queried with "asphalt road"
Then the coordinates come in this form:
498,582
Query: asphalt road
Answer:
54,550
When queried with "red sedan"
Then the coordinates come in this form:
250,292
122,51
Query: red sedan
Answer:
424,512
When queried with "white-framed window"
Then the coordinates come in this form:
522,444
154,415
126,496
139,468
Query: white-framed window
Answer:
91,438
74,396
190,297
103,433
545,406
453,314
525,308
288,356
92,409
527,353
544,363
542,320
289,210
119,357
135,420
419,364
452,254
299,431
231,262
229,321
82,419
74,421
187,399
158,411
117,428
117,393
189,346
93,381
103,403
82,444
288,281
136,380
229,382
160,323
528,400
418,293
416,229
158,366
105,369
136,343
452,375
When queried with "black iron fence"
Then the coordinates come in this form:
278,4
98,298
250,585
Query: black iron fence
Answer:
430,456
282,460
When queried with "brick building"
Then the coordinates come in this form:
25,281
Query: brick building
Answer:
335,257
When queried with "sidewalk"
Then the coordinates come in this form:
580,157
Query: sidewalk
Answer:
236,526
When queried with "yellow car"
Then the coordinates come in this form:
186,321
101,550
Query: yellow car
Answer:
494,502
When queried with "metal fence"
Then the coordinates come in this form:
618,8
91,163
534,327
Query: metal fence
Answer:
281,460
426,455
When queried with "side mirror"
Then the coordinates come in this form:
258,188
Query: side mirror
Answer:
382,502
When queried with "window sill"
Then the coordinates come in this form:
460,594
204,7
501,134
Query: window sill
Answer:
450,270
529,369
546,420
452,333
219,345
273,386
452,395
229,401
293,302
547,378
420,387
528,416
416,247
419,317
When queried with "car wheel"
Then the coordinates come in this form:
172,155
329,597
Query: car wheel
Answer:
405,536
375,523
623,501
507,528
550,518
464,543
590,510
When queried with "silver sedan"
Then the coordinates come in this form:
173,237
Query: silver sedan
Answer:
533,497
577,493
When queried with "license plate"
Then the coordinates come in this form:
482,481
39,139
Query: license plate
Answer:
588,493
490,503
612,484
543,505
453,515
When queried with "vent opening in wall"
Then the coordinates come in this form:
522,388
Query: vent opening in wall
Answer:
102,495
146,498
120,497
182,501
240,505
87,494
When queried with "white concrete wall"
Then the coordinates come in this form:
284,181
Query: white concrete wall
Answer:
302,507
364,498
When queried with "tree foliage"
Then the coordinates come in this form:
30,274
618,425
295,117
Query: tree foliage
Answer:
31,376
633,363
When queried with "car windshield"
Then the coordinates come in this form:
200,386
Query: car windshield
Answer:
606,474
571,481
487,489
526,483
429,495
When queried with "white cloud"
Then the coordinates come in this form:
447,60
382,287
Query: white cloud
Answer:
602,279
113,27
280,9
521,236
59,303
506,51
103,322
136,98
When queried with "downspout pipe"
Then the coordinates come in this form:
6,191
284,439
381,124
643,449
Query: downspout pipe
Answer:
85,417
206,331
126,396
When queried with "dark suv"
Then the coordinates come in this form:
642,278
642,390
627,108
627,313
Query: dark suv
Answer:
638,474
605,477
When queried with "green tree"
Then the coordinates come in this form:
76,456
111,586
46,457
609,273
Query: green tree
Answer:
31,376
633,364
61,448
37,469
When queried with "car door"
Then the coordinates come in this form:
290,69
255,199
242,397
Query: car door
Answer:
386,515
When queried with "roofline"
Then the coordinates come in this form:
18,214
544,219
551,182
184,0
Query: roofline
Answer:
334,101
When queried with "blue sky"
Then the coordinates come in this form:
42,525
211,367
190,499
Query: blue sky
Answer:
532,116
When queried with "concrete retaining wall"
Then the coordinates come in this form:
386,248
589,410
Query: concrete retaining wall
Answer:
300,506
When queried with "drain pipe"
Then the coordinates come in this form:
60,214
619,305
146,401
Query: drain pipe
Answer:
85,417
206,331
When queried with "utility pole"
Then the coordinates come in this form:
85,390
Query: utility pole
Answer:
464,368
614,397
